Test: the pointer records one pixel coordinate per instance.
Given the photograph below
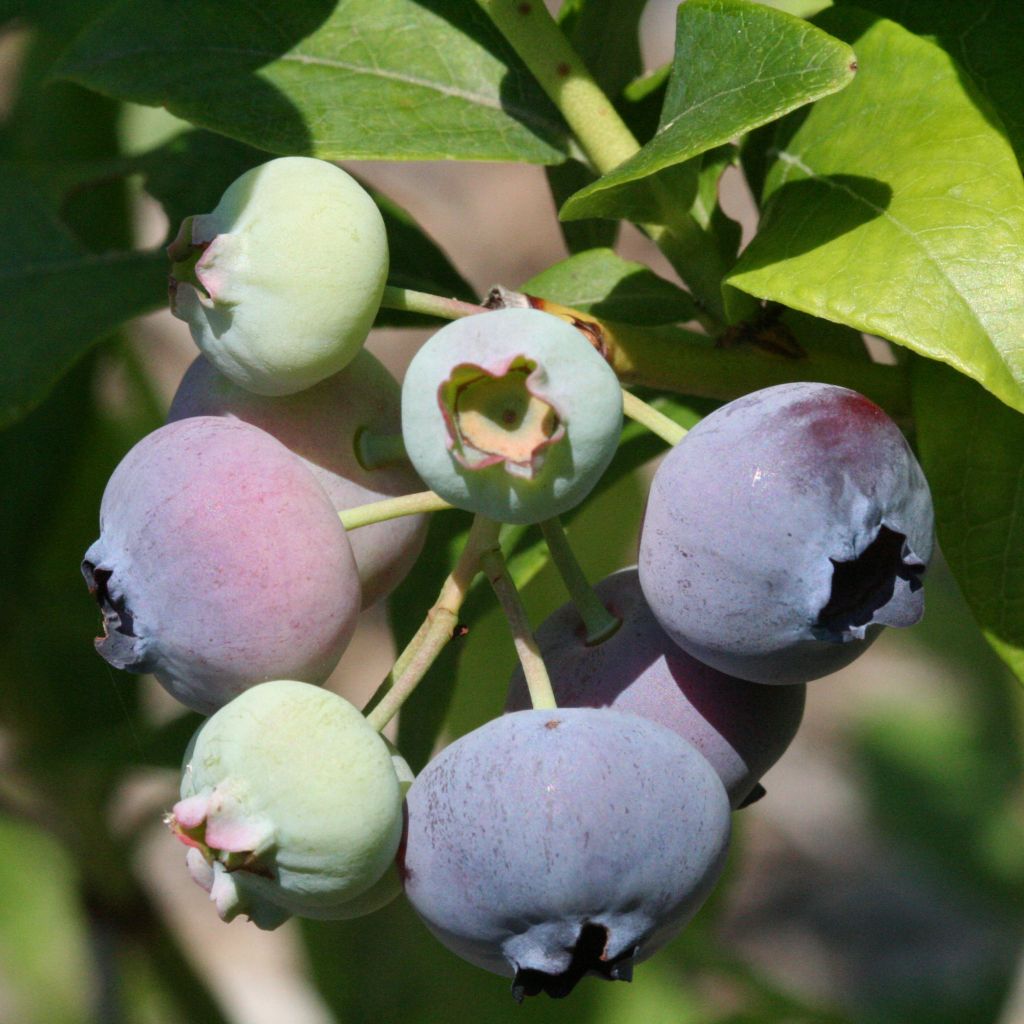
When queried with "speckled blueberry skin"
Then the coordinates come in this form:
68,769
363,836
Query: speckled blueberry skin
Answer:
320,426
549,845
784,531
571,377
221,563
741,728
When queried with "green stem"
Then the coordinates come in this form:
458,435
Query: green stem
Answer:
536,37
599,623
656,422
694,258
670,358
537,680
376,451
607,140
392,508
409,301
674,359
437,628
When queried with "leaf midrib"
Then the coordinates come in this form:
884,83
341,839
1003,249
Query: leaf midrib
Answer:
522,114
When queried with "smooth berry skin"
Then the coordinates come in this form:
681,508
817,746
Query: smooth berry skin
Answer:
558,466
784,531
741,728
290,804
321,425
552,844
280,283
221,563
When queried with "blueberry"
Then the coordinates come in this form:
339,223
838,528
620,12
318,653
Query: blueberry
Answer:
290,804
280,283
221,563
511,413
321,425
741,728
784,531
553,844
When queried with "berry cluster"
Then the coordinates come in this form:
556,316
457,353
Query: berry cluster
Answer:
578,832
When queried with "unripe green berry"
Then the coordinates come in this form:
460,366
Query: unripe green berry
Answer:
290,804
281,282
511,414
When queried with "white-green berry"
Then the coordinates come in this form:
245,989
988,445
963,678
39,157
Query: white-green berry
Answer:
281,282
511,414
290,804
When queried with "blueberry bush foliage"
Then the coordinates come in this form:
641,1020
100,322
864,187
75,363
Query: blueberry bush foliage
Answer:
882,143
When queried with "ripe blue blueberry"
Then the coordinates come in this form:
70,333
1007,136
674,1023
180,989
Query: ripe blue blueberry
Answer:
784,531
553,844
741,728
221,563
511,414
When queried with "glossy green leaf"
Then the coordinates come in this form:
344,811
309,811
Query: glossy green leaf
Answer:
917,237
972,450
579,235
600,282
737,65
57,298
987,41
342,79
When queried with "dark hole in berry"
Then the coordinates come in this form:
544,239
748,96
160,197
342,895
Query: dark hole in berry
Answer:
587,958
116,616
120,644
863,586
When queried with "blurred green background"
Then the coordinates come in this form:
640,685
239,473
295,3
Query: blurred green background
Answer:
881,879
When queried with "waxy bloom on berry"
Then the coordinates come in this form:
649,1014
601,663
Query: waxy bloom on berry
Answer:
280,283
511,414
290,804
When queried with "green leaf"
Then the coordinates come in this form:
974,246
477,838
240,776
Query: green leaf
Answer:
799,8
605,33
189,173
972,450
600,282
987,40
57,298
580,235
416,262
707,212
737,65
898,208
341,79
